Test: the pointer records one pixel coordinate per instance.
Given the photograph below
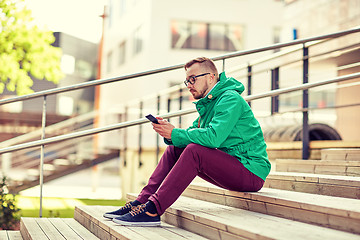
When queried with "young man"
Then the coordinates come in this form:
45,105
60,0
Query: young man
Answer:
224,146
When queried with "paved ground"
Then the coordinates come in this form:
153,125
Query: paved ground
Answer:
102,183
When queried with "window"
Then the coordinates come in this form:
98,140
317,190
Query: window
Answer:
234,37
15,107
217,37
198,35
180,33
138,41
122,51
68,64
66,105
276,34
276,37
212,36
84,69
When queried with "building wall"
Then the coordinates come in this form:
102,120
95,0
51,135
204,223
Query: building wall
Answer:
348,118
33,105
312,18
154,19
79,63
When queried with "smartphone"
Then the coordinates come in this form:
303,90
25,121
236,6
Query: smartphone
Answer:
152,118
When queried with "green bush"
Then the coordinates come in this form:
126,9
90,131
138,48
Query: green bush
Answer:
9,216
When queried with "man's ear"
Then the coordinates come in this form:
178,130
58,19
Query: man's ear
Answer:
213,76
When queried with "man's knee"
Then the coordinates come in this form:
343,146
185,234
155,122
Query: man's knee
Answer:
196,153
193,146
197,149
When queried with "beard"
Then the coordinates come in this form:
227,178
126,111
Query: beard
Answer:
200,93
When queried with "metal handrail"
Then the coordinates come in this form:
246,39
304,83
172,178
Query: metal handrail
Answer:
272,57
170,115
174,67
48,129
250,97
281,54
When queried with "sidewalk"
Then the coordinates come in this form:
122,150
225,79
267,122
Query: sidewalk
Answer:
87,184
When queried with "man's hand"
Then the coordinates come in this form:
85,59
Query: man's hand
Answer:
164,128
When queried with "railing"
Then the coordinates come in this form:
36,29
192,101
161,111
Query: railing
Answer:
28,158
69,123
118,126
305,86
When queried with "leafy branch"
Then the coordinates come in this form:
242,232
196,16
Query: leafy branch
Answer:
25,50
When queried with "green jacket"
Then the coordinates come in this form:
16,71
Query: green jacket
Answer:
228,124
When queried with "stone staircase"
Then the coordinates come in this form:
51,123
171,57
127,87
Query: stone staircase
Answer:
292,205
336,161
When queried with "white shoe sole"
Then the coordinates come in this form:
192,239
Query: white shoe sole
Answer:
110,216
139,224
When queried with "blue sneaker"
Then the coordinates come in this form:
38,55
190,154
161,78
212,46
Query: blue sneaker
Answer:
123,210
139,216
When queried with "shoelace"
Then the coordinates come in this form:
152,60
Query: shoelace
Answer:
137,210
127,205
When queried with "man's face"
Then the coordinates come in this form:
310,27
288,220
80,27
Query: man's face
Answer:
201,86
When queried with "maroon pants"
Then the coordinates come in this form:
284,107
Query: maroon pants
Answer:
179,166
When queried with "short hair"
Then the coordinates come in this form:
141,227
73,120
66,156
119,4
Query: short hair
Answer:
204,62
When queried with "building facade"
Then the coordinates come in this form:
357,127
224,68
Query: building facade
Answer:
79,64
311,18
148,34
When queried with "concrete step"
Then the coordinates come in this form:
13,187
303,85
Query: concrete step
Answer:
62,162
332,212
330,185
92,218
10,235
217,221
49,167
331,167
347,154
53,228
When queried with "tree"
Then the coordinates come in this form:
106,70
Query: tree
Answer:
25,50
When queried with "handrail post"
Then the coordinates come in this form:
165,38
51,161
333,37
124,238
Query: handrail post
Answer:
305,130
180,104
274,86
169,105
249,69
157,135
41,176
125,136
140,133
223,65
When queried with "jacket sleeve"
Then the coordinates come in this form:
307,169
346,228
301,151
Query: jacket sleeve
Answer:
227,111
194,125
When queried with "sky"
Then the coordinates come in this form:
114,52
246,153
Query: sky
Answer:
80,18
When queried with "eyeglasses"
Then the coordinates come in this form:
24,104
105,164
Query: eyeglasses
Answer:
192,79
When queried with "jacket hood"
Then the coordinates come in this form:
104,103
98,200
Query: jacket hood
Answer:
223,85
